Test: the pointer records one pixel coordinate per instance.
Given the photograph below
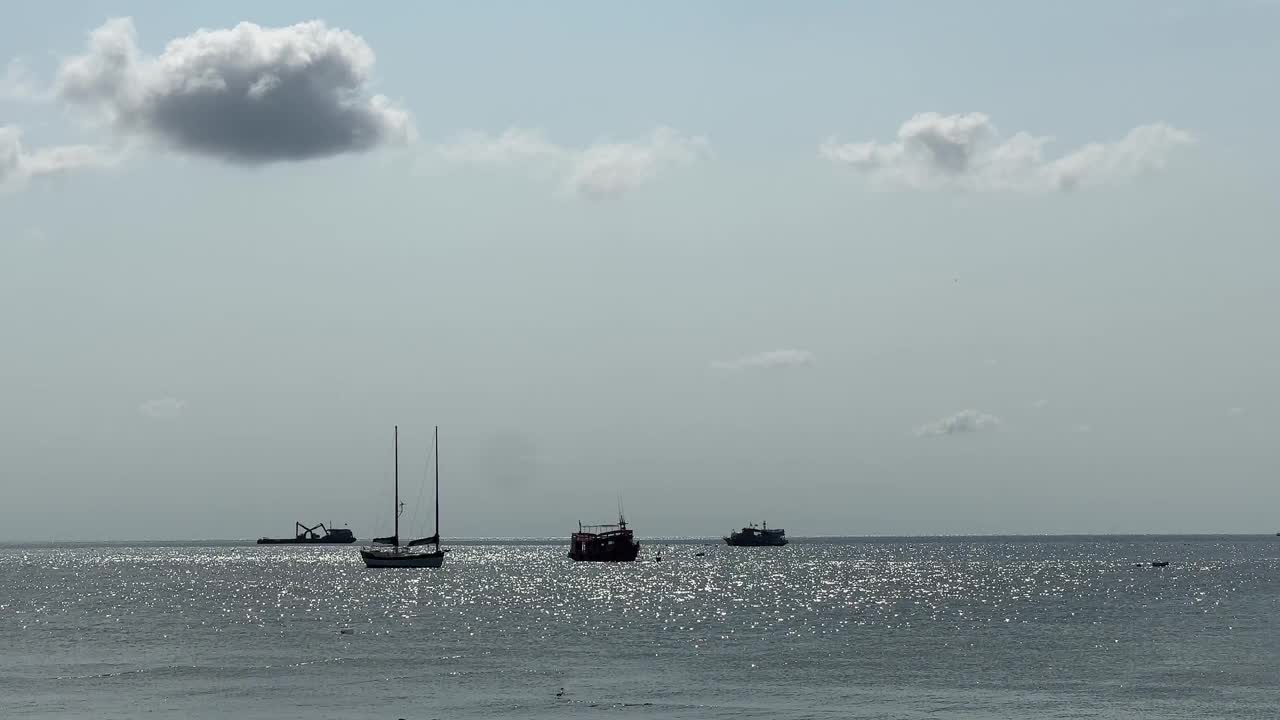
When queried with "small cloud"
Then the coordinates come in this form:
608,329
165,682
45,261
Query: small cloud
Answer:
18,165
1235,411
17,83
602,169
1082,428
247,95
768,360
967,152
165,408
1040,404
508,459
608,169
961,423
512,147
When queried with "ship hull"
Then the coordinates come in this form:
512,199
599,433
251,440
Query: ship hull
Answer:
304,541
623,554
755,542
401,559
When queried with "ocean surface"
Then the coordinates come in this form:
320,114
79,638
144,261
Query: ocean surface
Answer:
1060,627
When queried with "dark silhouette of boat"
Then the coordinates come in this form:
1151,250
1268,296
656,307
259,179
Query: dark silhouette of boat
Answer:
318,535
406,556
752,536
604,543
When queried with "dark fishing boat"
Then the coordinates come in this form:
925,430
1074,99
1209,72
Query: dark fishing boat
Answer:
407,556
317,535
604,543
752,536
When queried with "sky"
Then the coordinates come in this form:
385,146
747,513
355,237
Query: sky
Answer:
878,268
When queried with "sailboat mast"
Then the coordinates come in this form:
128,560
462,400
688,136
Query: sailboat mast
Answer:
396,537
437,454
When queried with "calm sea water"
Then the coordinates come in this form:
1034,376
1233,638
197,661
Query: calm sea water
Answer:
885,628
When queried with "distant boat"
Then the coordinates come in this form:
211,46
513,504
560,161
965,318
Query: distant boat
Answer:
404,556
1160,563
752,536
303,535
604,543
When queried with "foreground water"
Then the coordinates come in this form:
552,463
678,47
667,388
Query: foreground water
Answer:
945,628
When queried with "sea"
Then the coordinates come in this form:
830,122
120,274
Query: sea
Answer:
957,627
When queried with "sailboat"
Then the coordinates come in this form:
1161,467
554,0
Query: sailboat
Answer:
407,555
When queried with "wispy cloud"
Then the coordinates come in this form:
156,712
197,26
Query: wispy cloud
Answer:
18,165
1082,428
1235,411
165,408
961,423
768,360
513,146
967,152
613,168
599,170
247,95
17,82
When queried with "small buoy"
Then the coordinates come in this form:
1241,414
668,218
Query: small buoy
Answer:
346,631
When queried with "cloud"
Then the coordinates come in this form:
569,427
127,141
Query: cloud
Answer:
513,146
248,95
1235,411
18,165
963,422
602,169
967,152
605,169
17,83
165,408
768,360
1082,428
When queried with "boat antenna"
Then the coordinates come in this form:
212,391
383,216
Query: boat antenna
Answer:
395,537
437,454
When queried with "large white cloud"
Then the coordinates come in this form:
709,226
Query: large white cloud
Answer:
18,164
247,95
601,169
967,151
767,360
961,423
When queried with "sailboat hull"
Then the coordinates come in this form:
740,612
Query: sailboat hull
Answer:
402,558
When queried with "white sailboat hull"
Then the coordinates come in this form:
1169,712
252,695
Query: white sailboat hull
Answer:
402,558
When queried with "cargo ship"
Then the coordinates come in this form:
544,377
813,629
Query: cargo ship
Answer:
318,535
752,536
604,543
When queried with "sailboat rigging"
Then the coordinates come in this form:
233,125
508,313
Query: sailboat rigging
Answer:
402,555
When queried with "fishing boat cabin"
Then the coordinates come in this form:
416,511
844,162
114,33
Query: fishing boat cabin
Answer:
604,543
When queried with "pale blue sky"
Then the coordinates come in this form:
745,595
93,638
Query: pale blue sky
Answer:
203,348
